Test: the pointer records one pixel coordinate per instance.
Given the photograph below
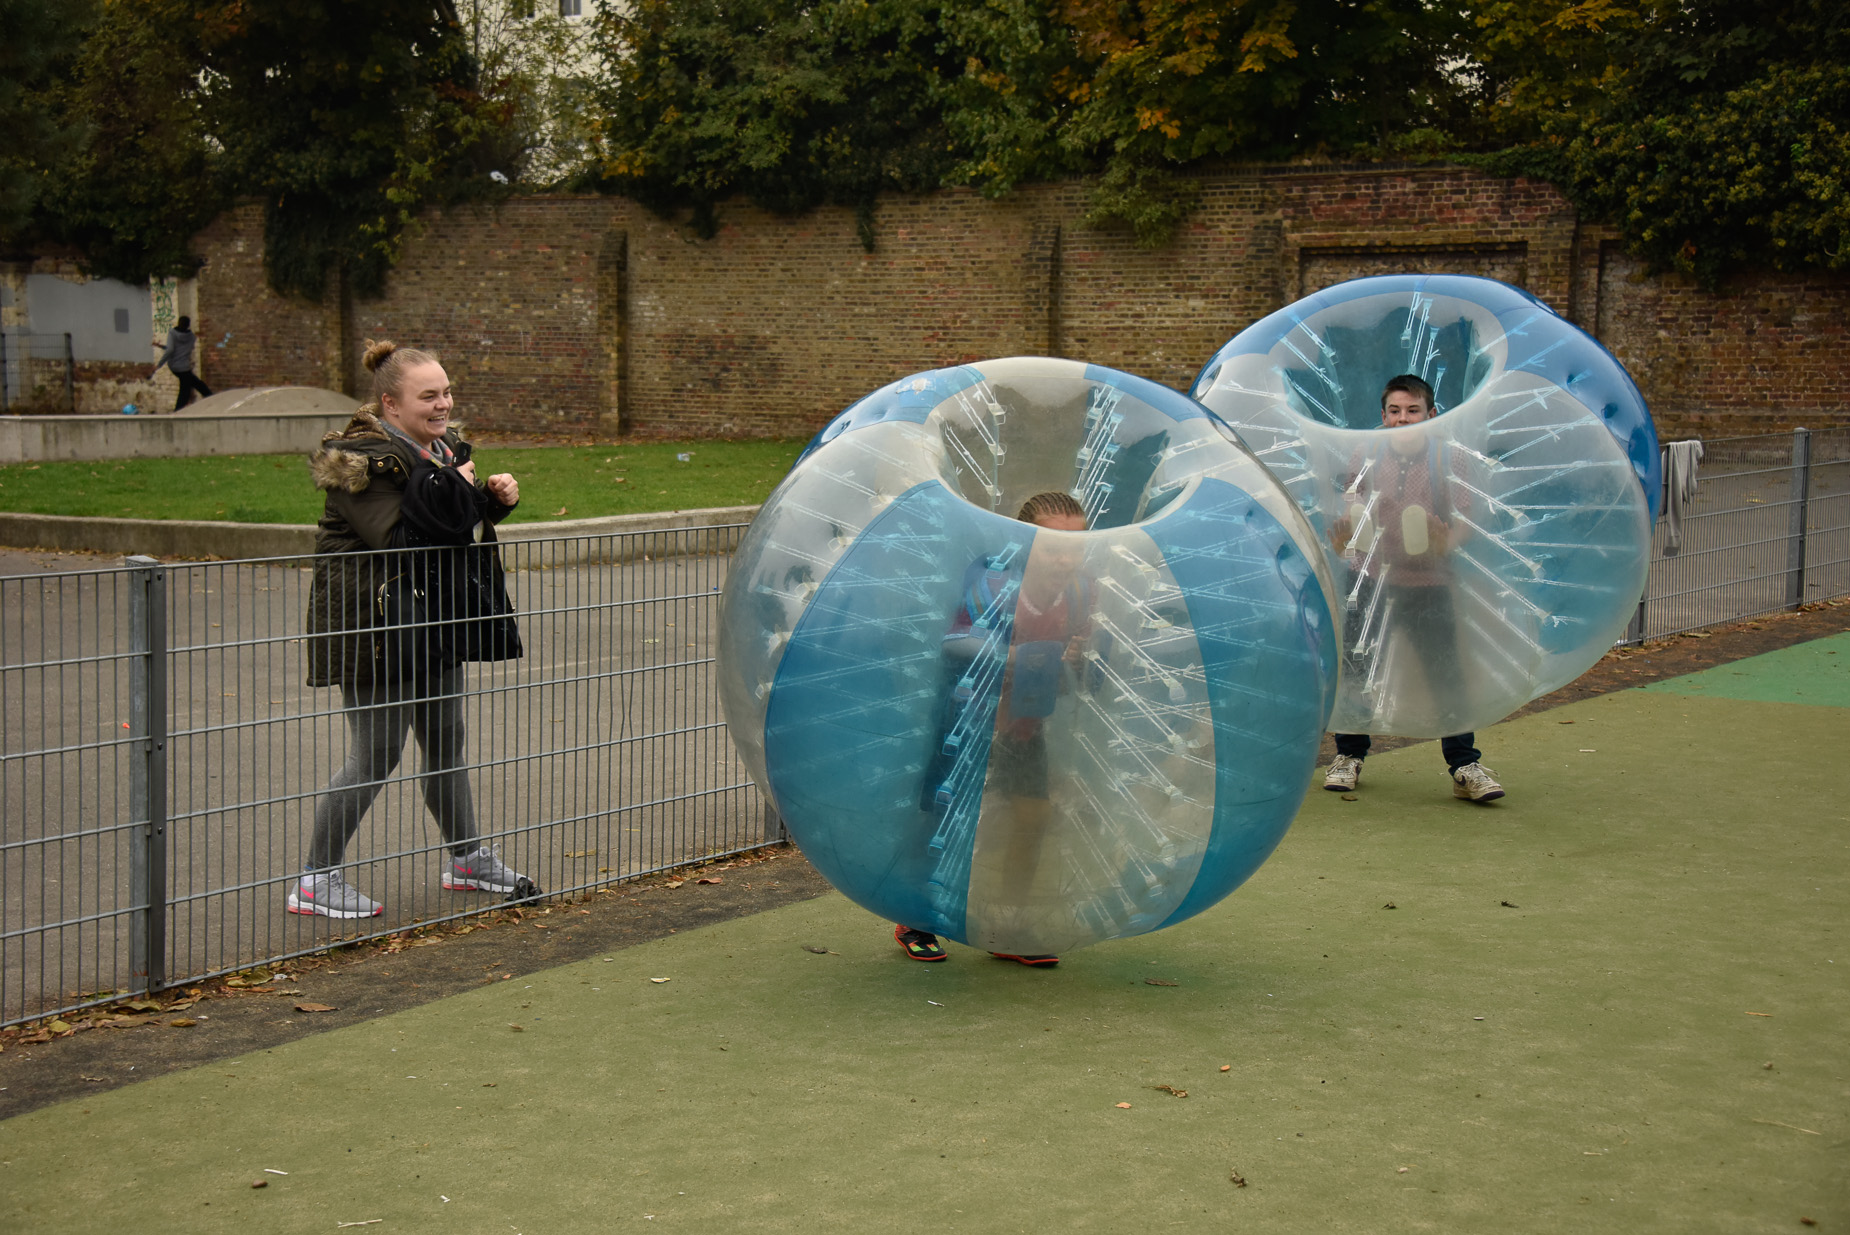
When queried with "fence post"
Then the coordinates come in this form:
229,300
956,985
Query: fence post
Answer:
148,773
774,829
70,377
1801,516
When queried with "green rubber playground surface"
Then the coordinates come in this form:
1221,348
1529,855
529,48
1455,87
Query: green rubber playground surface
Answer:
1614,1001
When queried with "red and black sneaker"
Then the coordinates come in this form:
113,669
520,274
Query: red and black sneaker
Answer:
919,945
1038,962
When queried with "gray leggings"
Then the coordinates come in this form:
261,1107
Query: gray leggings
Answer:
377,717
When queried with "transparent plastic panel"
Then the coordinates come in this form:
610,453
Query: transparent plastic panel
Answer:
1017,737
1483,557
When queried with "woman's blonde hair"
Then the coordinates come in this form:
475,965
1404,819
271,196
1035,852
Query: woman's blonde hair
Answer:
387,362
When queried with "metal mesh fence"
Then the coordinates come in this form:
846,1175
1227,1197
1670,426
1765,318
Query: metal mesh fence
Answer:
37,373
1769,529
163,760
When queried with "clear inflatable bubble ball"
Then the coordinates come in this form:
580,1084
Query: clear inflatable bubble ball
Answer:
1030,654
1484,555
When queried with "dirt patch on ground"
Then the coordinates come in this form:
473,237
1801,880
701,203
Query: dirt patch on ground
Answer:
106,1048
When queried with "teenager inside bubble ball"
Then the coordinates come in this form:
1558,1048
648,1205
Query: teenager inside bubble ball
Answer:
1408,509
1488,523
1028,734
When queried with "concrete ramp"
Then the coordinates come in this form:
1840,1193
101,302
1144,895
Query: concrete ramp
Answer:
271,401
248,421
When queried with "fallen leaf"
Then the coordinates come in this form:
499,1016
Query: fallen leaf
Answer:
582,853
1350,797
1171,1089
674,883
1159,982
1124,1106
316,1007
1402,1170
488,1084
142,1005
659,981
59,1026
820,951
1758,1014
1226,1067
1390,905
714,879
1507,905
515,1028
1235,1178
270,1170
184,1022
260,1183
92,1078
559,513
1564,722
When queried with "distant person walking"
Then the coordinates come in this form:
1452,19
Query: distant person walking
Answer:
178,357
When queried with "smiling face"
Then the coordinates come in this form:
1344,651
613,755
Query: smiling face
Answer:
421,405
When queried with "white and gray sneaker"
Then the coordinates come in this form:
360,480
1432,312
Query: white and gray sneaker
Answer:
1474,783
1345,771
327,894
483,871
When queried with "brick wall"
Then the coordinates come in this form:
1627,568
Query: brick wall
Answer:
589,315
274,340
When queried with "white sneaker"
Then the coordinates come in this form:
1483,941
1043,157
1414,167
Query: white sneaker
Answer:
1474,783
1345,771
327,894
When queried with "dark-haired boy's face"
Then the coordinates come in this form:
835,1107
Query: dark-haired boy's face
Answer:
1403,407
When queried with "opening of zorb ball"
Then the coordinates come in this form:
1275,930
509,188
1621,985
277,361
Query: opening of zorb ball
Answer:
1486,556
1019,737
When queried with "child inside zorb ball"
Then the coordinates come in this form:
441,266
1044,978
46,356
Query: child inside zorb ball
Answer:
1037,612
1029,734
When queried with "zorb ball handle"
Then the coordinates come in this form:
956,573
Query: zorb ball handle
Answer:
1413,537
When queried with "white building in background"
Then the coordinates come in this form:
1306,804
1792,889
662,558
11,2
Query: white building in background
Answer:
543,51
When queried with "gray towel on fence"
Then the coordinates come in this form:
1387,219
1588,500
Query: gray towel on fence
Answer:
1680,460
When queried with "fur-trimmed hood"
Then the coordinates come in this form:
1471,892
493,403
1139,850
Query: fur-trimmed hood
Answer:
346,459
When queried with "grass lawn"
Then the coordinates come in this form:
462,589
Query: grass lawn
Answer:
556,482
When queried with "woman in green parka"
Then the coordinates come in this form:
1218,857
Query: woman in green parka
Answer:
399,475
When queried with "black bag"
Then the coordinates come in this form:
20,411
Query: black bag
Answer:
485,628
440,607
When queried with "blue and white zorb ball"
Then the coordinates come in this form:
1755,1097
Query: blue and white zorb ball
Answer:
1021,738
1485,557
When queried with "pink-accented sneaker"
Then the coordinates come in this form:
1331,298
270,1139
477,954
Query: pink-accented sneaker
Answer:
483,871
326,894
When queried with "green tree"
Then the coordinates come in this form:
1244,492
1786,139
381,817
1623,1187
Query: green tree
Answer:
1714,135
347,117
140,178
791,106
1140,91
37,42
